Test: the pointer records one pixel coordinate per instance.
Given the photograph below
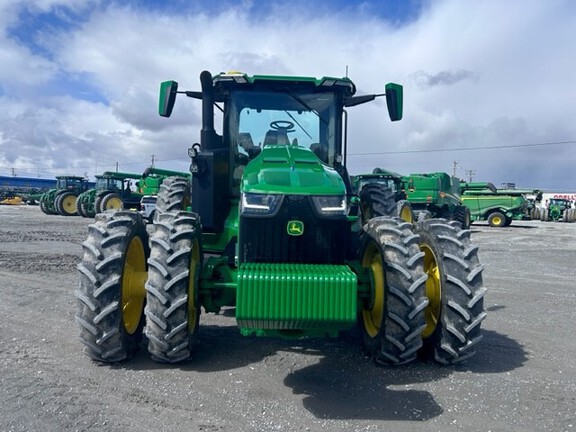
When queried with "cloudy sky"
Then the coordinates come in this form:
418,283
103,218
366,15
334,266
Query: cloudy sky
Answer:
489,86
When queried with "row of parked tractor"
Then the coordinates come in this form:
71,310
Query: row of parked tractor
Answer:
418,196
439,195
76,196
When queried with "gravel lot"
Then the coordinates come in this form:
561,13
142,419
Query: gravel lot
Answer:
523,378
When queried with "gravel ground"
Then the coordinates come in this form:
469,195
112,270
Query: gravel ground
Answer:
522,379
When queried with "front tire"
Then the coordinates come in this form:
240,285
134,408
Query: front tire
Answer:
111,294
173,196
173,307
497,220
377,200
392,318
454,289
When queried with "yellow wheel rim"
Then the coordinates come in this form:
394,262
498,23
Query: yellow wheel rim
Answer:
373,316
133,279
193,287
406,215
69,204
433,291
114,204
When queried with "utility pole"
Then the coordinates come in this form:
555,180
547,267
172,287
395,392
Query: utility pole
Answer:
153,158
454,165
470,174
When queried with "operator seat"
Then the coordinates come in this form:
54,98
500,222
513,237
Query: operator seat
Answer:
245,141
276,137
271,138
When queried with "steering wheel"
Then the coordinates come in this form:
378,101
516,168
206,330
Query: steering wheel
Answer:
285,125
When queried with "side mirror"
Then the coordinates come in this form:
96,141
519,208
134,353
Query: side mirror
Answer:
394,101
168,90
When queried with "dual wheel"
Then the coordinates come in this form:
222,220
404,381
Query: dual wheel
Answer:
426,291
65,203
120,289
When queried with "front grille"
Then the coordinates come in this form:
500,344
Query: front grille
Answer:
265,240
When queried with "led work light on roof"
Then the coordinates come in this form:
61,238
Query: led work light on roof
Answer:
236,76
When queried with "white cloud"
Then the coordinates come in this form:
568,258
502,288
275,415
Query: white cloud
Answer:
476,74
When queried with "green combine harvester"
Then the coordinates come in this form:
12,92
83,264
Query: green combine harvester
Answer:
62,199
497,206
269,223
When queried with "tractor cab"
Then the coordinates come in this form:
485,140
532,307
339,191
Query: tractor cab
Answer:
279,135
71,183
108,183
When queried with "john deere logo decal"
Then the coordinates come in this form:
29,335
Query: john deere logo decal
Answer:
295,228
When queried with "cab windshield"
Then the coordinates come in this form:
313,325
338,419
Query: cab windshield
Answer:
108,183
259,119
63,183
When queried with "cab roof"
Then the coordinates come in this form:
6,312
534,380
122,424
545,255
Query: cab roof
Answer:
236,80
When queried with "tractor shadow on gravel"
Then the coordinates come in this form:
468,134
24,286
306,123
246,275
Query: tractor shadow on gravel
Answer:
346,385
337,380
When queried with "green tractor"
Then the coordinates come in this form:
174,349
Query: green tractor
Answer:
62,199
269,224
382,193
558,209
436,195
420,196
112,191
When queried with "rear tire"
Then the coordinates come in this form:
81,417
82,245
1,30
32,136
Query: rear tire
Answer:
88,208
79,206
43,206
377,200
98,202
111,201
462,215
392,319
404,211
173,308
454,289
65,204
111,294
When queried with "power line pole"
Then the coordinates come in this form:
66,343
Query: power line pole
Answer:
470,174
153,158
454,165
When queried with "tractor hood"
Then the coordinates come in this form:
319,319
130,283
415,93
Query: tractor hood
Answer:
286,169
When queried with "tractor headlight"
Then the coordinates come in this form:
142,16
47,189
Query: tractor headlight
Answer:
255,204
330,205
